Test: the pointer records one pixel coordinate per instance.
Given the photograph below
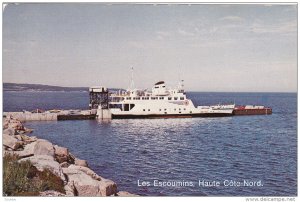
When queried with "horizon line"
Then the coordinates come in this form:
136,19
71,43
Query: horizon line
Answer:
204,91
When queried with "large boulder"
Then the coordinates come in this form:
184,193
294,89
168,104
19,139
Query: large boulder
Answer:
43,147
27,151
87,171
15,124
28,139
61,154
107,187
11,142
85,185
39,147
10,131
5,123
80,162
42,162
70,189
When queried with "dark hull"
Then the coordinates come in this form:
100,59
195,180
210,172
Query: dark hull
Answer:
75,117
164,116
240,112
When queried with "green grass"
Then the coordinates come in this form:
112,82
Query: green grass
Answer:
23,179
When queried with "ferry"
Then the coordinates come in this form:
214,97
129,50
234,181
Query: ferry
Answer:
161,102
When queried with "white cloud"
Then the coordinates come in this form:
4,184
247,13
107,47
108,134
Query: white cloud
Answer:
185,33
232,18
281,28
162,35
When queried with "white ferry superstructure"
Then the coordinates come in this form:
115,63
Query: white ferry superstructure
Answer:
161,103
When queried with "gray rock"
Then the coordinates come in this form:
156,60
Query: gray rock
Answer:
29,139
107,187
51,193
125,193
61,154
43,147
85,185
42,162
87,171
64,164
15,124
70,189
11,142
61,151
10,131
27,151
80,162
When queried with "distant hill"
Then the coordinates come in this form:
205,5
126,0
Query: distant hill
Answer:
40,88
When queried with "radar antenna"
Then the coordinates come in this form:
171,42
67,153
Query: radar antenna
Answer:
131,81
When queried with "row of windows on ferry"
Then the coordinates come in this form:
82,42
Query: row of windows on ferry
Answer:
155,98
179,109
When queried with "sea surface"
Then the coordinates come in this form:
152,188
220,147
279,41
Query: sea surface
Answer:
257,149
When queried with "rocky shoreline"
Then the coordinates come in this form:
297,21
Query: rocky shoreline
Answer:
77,177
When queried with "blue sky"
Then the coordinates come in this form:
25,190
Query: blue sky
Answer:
212,47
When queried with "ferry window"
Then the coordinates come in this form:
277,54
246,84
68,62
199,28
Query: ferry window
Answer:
144,109
179,108
138,98
163,86
175,98
181,98
126,107
165,112
128,98
152,98
174,109
146,98
149,110
156,87
190,111
143,98
161,98
156,98
165,109
184,109
134,98
169,98
159,109
179,112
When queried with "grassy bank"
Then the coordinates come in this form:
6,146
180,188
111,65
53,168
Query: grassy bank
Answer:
23,179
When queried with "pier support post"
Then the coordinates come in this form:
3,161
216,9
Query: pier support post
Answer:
103,114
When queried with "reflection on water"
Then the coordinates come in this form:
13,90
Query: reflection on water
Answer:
191,149
229,148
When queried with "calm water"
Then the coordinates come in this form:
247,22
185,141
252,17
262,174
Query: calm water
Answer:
232,148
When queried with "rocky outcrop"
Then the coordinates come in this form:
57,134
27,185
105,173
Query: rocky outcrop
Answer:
78,178
61,154
51,193
42,162
80,162
86,185
43,147
11,142
10,131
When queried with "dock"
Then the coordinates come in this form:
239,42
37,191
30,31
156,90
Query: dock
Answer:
53,115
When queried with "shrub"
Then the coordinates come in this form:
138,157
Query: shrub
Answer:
23,179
